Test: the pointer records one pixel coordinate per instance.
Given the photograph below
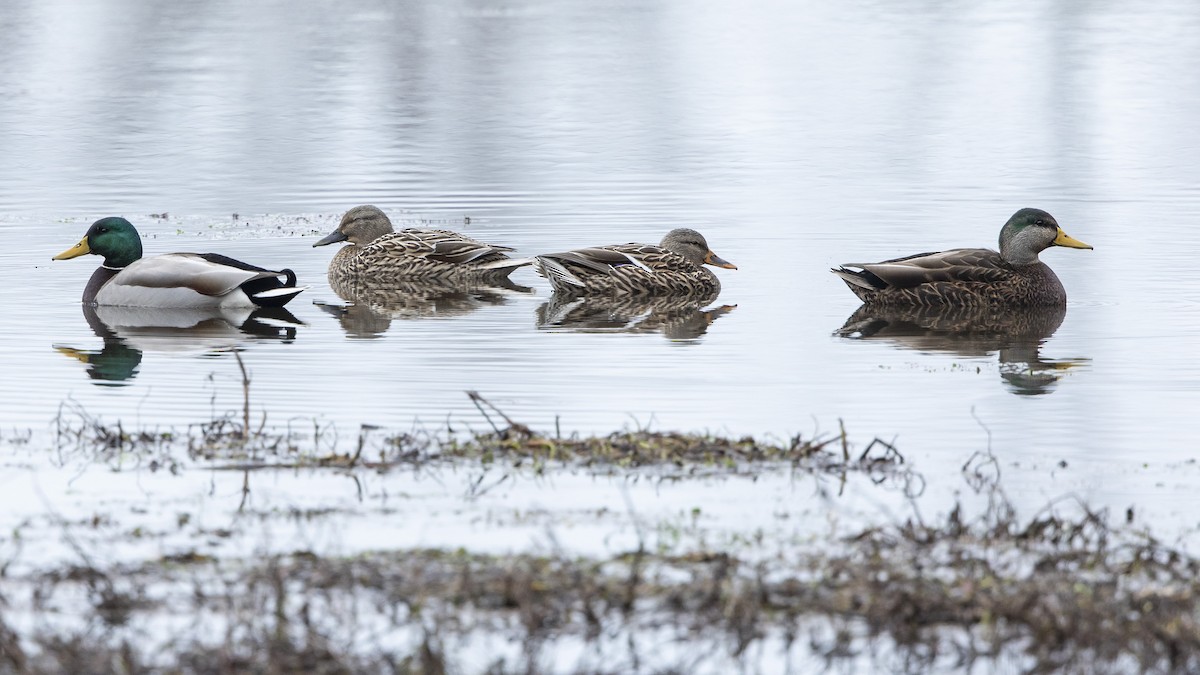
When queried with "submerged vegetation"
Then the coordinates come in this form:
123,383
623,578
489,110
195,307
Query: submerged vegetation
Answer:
1065,589
234,442
1059,591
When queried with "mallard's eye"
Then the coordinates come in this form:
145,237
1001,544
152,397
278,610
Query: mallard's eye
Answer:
1040,222
102,230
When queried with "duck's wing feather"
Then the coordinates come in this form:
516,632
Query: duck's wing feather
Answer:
958,265
441,245
433,236
460,251
206,273
606,258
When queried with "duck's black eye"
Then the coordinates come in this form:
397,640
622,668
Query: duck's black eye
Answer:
102,230
1040,222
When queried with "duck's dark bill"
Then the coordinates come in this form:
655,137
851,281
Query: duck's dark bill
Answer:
331,238
75,251
717,261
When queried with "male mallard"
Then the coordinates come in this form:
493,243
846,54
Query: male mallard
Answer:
175,280
675,266
412,254
971,276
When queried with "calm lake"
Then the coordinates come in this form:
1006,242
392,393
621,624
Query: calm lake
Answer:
795,135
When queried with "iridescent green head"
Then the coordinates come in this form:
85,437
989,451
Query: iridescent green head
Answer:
1028,233
114,238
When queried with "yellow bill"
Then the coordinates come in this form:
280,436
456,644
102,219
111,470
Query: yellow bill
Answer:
1064,239
77,250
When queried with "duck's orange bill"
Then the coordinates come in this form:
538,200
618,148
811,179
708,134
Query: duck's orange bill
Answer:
717,261
75,251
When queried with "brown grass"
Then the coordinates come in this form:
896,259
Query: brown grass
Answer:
1056,592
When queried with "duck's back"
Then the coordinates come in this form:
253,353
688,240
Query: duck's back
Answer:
422,254
959,277
190,280
631,269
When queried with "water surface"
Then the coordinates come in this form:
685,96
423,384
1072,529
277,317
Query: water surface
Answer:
795,136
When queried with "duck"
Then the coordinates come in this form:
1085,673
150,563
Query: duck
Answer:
378,252
173,280
971,277
673,267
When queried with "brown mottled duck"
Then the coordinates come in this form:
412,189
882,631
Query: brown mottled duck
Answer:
971,276
376,250
673,267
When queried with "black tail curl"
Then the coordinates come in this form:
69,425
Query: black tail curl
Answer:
256,286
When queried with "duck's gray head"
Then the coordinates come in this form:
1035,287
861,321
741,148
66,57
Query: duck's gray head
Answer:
1028,233
691,245
360,226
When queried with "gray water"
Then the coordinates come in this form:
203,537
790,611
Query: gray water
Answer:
795,135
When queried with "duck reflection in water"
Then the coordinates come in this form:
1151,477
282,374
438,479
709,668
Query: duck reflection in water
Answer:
1016,333
676,317
128,332
373,305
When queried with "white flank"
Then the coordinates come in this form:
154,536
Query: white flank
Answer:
121,295
280,292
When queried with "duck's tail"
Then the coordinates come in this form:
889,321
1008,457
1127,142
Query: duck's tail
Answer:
560,278
504,266
854,278
271,292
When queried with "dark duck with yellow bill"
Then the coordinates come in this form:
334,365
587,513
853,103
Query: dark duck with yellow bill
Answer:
963,277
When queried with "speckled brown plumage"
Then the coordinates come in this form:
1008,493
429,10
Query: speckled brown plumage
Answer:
423,255
962,277
674,267
968,277
413,254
